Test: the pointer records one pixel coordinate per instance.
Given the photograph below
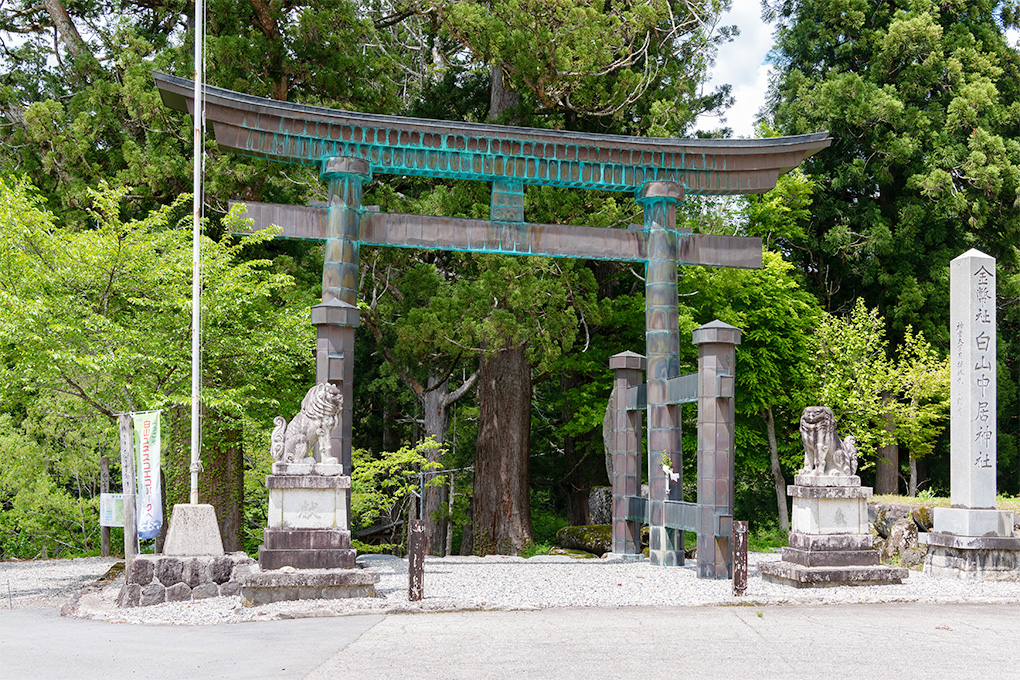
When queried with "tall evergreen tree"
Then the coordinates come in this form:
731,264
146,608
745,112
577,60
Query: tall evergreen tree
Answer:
922,99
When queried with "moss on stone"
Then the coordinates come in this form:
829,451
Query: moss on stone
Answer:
593,538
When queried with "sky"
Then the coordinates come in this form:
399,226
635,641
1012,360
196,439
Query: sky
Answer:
741,64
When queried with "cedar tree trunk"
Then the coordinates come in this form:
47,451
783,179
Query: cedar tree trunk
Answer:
502,505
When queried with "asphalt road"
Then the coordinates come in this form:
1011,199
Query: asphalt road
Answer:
927,641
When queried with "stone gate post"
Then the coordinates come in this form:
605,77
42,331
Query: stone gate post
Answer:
716,343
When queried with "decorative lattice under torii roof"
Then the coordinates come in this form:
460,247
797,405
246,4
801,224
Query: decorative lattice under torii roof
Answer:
308,135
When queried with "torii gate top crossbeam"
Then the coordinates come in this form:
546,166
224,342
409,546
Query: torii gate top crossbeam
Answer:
308,135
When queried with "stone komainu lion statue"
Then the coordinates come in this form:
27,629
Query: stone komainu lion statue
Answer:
824,452
319,415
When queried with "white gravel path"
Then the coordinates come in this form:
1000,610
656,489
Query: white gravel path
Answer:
466,583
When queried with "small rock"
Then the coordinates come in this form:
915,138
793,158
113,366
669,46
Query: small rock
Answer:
154,593
230,589
194,571
220,569
912,558
129,595
178,592
887,515
140,571
204,591
923,518
902,536
169,571
594,538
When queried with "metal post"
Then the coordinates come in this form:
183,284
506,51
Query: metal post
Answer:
662,351
739,558
196,254
127,471
416,560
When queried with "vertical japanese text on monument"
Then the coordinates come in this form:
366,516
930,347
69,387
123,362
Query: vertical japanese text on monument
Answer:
984,345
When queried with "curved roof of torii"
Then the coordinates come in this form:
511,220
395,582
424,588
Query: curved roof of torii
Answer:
308,135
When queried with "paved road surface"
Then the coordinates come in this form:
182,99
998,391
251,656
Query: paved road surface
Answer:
846,641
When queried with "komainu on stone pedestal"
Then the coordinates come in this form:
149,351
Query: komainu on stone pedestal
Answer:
824,452
320,413
829,543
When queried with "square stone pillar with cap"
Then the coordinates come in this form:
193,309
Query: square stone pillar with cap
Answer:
972,540
716,342
625,449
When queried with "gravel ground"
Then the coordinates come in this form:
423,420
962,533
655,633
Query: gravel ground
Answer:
469,583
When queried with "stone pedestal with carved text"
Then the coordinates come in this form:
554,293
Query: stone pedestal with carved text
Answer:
972,540
308,524
830,543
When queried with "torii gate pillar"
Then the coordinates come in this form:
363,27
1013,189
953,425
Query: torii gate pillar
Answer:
334,356
662,350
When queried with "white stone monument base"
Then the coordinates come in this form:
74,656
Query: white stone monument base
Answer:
308,525
829,543
973,522
193,531
971,558
829,509
308,501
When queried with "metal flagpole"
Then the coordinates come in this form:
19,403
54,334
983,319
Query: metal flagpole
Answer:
196,253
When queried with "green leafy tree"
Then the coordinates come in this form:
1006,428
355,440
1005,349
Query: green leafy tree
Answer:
922,100
867,389
97,323
775,361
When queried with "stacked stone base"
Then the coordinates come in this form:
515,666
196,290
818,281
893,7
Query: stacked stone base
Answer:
972,558
265,587
155,579
306,549
825,560
830,544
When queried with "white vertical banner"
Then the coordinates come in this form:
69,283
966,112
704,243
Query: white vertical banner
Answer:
149,504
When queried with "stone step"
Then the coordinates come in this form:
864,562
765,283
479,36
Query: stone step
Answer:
306,539
265,587
307,559
799,576
830,542
831,558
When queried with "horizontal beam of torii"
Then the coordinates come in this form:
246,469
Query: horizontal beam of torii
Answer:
350,148
490,236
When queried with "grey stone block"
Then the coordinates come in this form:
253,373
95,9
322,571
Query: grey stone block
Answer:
169,570
265,587
140,571
219,569
799,576
230,589
307,559
154,593
241,572
204,591
194,572
129,595
179,592
836,542
831,558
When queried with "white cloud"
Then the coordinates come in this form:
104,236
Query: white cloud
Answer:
741,63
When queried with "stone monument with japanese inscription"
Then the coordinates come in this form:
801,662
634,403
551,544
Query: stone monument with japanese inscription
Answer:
972,539
829,539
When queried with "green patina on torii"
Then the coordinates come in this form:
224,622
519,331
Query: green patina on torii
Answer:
349,148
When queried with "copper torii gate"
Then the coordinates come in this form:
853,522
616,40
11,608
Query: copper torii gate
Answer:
350,147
